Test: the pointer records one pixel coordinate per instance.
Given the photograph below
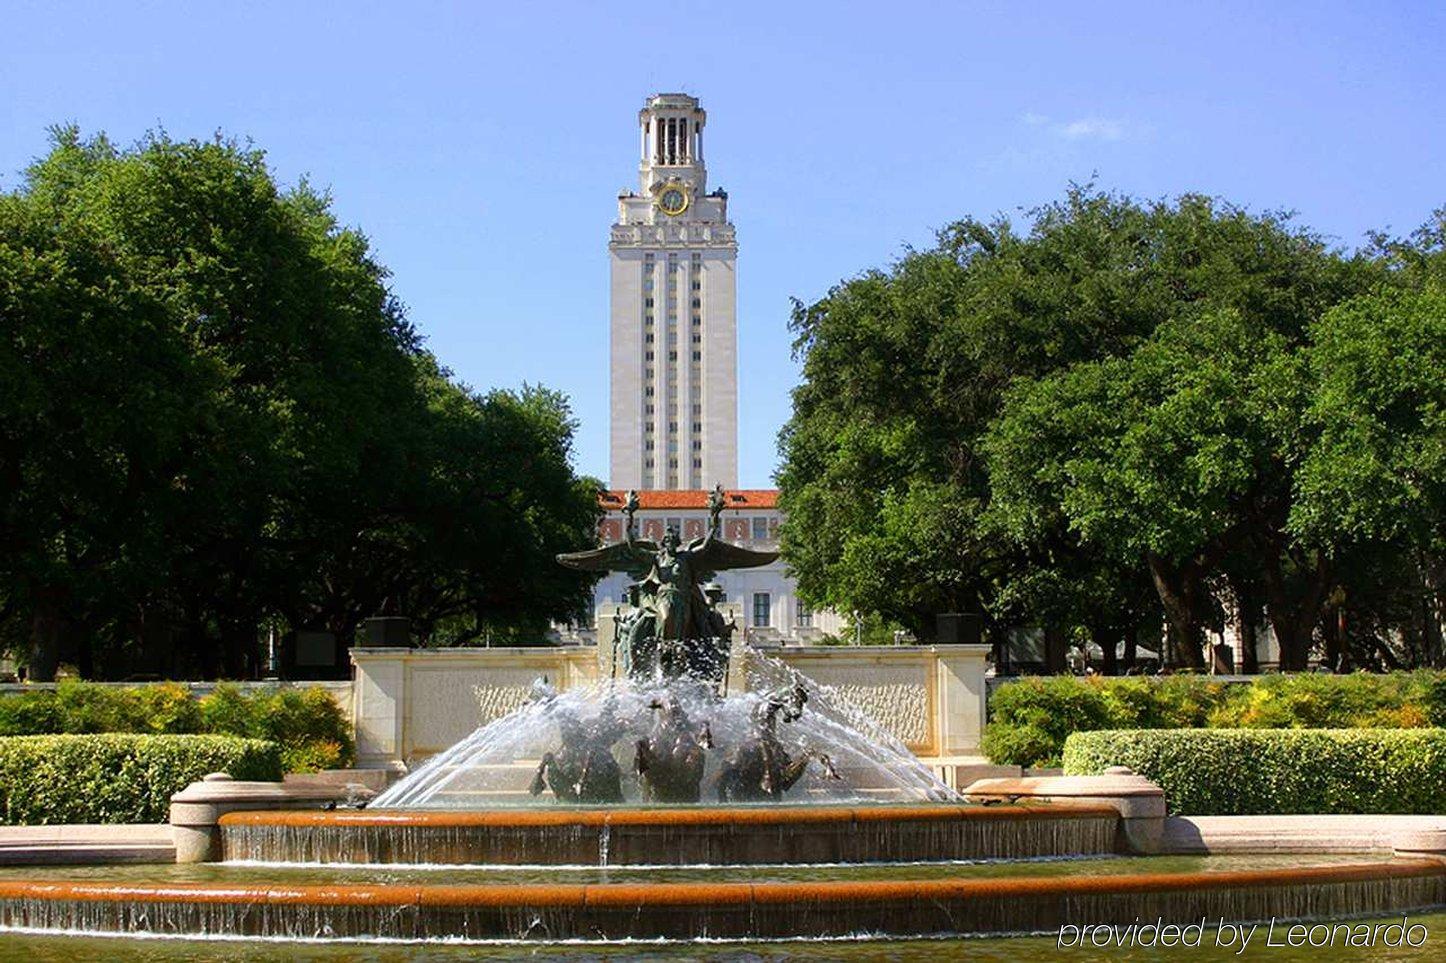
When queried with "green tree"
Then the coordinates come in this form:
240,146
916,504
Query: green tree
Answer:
216,415
886,492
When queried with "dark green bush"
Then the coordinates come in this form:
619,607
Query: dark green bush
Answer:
1256,771
117,777
307,724
1031,718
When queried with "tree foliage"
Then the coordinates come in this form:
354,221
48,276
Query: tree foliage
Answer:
216,415
1124,409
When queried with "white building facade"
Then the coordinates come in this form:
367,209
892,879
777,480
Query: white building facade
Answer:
674,333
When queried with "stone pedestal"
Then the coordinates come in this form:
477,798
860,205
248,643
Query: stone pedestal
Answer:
196,810
1140,803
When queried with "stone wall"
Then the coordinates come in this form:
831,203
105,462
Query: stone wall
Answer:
411,703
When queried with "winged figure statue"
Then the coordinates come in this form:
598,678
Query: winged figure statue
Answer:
671,627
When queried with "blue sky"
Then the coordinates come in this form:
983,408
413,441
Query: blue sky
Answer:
482,147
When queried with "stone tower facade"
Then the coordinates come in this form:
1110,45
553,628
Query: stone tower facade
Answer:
674,334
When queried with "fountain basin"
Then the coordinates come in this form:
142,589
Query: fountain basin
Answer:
677,836
721,910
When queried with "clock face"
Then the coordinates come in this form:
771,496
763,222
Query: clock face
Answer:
673,201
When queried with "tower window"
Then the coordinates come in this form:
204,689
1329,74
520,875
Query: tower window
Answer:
697,338
697,302
697,356
697,285
650,356
697,427
697,463
672,356
649,338
647,302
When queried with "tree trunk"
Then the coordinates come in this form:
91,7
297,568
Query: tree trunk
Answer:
46,627
1055,650
1294,615
1132,634
1247,617
1107,638
1179,590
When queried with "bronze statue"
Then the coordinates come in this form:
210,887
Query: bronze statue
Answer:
670,761
582,769
673,629
761,769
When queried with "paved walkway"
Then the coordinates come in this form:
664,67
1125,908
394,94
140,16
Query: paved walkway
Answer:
53,845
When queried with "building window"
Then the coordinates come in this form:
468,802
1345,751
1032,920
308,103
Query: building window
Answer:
648,374
697,411
648,320
672,356
697,285
697,339
649,444
762,609
649,337
760,529
697,356
672,426
697,303
697,427
649,356
697,463
648,391
805,615
650,463
697,321
697,445
647,302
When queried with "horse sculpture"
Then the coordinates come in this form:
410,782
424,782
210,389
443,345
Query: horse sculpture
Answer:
760,769
670,761
582,769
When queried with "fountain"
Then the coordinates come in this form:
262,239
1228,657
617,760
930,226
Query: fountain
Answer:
699,790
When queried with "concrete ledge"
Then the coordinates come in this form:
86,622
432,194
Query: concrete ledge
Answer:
197,809
1408,835
759,910
86,843
1139,802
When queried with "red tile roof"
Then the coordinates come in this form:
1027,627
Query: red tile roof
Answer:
656,500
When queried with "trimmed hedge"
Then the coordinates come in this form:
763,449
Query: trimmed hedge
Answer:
117,778
1258,771
307,724
1031,718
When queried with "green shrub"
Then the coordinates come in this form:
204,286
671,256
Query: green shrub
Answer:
306,724
1046,711
1255,771
117,778
1033,717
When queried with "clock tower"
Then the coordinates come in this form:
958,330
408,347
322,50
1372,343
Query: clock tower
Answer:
674,341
